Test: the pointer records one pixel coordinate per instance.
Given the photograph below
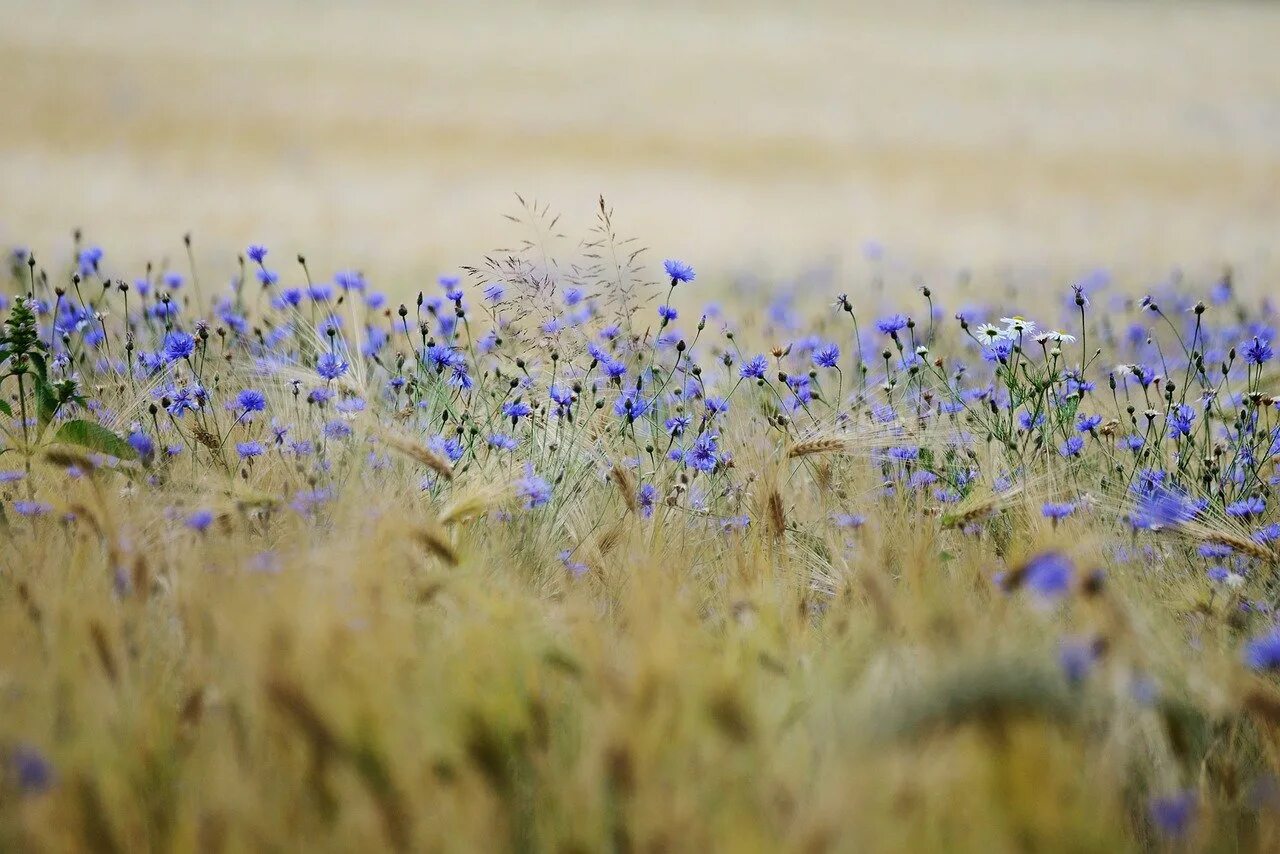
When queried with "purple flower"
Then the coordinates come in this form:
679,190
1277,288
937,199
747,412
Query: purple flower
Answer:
703,454
1072,447
892,325
516,409
32,772
827,357
1048,574
200,520
248,450
1172,814
251,400
178,345
534,490
1263,653
31,508
331,366
754,368
1057,511
678,271
257,254
1257,351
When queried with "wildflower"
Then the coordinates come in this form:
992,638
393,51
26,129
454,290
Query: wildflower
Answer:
892,325
516,409
534,490
702,454
178,345
501,442
1180,419
667,313
631,405
848,520
678,271
331,366
31,770
1172,814
1263,653
248,450
754,368
257,254
646,495
990,332
1161,508
1017,325
1088,423
1048,574
142,443
337,430
1247,507
1071,447
827,357
200,520
574,567
31,508
1257,351
251,400
1057,511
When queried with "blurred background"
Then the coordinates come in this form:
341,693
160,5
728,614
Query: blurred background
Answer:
737,135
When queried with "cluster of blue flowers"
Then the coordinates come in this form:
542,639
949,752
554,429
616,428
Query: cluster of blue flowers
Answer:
550,378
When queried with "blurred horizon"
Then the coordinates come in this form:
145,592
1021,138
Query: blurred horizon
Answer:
394,136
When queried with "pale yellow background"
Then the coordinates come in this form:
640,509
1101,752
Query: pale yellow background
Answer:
392,135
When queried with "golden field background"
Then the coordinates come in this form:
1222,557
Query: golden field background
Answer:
393,135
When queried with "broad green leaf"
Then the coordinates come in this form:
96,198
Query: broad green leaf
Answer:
95,437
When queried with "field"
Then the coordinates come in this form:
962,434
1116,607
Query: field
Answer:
859,434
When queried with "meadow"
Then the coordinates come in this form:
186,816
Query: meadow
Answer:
891,470
558,555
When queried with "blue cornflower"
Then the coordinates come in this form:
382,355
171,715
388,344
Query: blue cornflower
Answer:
1172,814
678,271
904,454
1247,507
1048,574
493,292
248,450
142,443
892,325
754,368
200,520
337,430
534,490
173,281
178,345
1058,510
1263,653
702,455
613,368
516,409
1257,351
677,424
31,508
257,254
1161,508
1088,423
827,357
631,405
1072,447
501,442
1180,420
574,567
667,313
31,770
646,495
252,400
331,366
267,277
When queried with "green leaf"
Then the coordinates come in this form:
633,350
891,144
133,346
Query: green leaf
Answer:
46,402
95,437
5,408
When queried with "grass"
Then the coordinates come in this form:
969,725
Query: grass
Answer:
838,629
